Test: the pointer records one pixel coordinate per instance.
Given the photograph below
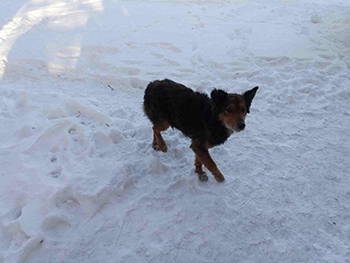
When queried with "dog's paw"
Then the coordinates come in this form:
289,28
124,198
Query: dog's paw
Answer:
203,177
157,147
218,176
163,147
201,174
220,179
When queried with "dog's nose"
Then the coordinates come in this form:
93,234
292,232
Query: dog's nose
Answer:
241,125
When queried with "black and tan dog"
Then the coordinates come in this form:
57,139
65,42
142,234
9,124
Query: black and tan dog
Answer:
207,121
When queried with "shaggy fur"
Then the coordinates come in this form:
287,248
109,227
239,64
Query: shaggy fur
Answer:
207,121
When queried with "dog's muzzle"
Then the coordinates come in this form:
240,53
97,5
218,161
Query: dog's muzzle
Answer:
241,126
237,128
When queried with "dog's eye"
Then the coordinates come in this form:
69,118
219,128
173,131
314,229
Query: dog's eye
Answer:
228,110
244,110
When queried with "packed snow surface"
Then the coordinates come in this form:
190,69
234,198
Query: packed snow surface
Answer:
79,179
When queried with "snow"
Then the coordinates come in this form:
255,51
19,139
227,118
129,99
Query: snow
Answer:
79,179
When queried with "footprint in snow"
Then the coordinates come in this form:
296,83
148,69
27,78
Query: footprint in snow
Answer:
166,45
56,225
56,173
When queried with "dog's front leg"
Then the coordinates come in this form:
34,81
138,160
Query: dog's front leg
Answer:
203,156
158,141
201,174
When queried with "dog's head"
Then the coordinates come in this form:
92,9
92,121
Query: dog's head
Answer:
232,108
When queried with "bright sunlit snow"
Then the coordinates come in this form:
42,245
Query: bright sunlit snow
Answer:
80,181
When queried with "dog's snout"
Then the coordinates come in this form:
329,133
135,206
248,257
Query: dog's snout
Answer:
241,125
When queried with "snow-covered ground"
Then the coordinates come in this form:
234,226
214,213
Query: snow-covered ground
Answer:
79,180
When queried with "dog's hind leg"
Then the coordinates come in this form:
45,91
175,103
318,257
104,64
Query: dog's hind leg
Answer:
201,174
158,141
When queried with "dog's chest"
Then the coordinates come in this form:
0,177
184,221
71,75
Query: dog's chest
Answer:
218,135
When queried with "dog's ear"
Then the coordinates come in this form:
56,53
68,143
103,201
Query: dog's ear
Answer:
248,97
218,96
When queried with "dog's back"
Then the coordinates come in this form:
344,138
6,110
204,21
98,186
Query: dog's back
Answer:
178,105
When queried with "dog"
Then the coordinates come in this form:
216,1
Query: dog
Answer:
206,121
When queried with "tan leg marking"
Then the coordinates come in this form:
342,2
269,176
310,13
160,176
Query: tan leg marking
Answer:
201,174
158,143
203,156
